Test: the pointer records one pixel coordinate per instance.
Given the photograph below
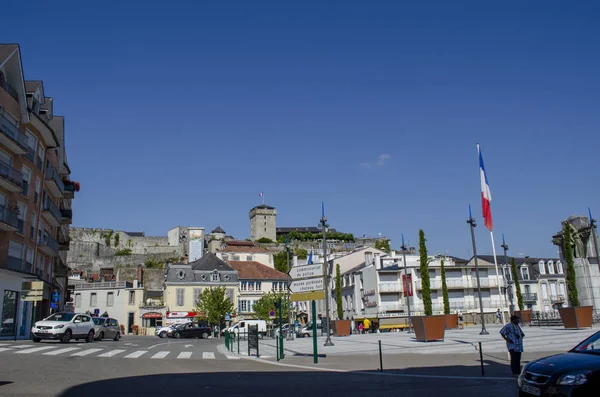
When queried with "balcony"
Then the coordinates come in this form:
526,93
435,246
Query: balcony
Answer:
390,288
48,244
484,282
557,298
64,239
51,213
10,178
103,285
55,183
69,190
11,137
67,216
9,219
11,91
529,297
391,307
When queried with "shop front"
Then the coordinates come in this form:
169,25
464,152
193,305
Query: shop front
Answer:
15,313
179,317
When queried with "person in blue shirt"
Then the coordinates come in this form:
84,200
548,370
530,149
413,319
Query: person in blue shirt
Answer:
513,335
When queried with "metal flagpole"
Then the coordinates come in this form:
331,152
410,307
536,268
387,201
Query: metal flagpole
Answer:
471,222
405,285
502,298
509,282
328,341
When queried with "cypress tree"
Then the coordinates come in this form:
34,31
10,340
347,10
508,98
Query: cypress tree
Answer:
445,289
568,253
515,276
424,267
338,292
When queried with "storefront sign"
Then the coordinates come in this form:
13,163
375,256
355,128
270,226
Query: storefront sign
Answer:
182,314
369,292
152,315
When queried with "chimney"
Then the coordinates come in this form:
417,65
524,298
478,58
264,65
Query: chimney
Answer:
139,273
135,283
393,254
377,261
368,258
412,250
295,261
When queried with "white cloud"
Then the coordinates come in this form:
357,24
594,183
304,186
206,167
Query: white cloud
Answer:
379,162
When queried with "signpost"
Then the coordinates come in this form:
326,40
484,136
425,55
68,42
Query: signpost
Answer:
306,285
253,339
300,272
32,291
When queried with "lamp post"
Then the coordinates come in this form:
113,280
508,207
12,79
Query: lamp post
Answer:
406,281
323,225
471,222
509,282
290,334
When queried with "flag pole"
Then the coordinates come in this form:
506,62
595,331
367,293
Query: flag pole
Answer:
498,278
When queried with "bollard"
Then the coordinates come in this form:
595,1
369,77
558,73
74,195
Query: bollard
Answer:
238,338
277,347
481,360
380,358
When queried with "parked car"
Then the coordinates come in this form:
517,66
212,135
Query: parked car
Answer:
242,327
64,327
190,330
106,328
306,331
575,373
162,332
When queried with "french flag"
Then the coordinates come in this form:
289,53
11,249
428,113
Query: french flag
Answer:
486,194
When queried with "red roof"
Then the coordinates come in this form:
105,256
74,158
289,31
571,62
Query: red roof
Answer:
252,270
251,248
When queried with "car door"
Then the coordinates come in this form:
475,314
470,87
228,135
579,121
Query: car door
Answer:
107,329
77,326
115,325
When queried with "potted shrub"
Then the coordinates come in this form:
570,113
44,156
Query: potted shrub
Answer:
574,316
451,318
428,327
135,329
340,326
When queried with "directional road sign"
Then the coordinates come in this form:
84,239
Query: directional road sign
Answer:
307,296
299,272
307,285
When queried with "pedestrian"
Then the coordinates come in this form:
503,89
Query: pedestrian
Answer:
361,327
366,325
217,335
498,316
513,335
461,320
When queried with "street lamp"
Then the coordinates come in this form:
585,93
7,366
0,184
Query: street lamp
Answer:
290,334
509,282
323,225
471,222
406,290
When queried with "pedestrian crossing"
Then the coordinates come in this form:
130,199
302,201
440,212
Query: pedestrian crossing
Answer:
57,350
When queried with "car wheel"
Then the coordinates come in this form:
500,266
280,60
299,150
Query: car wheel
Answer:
260,336
66,336
100,336
162,335
177,335
117,337
205,335
90,337
36,340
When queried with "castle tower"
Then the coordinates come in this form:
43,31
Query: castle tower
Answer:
263,222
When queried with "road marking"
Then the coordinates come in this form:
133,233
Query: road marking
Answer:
162,354
111,353
36,349
21,346
232,357
61,351
3,344
86,352
185,354
5,349
136,354
188,346
208,355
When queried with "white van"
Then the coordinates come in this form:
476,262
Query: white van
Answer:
242,327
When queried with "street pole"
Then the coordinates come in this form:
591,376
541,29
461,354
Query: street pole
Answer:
280,329
471,221
594,230
403,247
290,334
509,282
328,341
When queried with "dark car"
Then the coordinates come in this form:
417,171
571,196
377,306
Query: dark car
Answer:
572,374
190,330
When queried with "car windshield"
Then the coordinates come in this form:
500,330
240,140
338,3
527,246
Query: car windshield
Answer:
590,345
61,317
98,321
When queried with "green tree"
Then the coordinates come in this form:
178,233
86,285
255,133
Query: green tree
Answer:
266,303
213,304
515,277
571,276
444,289
301,253
424,269
338,292
280,261
383,245
264,240
117,237
123,252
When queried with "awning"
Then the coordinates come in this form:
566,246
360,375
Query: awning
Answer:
393,326
152,315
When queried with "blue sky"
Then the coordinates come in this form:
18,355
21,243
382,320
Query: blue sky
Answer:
180,113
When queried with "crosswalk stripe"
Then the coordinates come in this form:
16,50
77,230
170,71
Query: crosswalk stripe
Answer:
3,344
111,353
5,349
162,354
86,352
232,357
35,349
61,351
208,355
21,346
136,354
185,355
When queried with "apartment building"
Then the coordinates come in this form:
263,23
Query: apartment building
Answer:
245,251
35,198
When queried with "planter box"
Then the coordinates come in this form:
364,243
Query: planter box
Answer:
526,315
341,327
429,328
451,321
576,317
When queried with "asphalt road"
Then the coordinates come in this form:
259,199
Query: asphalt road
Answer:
47,373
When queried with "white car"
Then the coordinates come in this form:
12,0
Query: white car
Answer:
64,327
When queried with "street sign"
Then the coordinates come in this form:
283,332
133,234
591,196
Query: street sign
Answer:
32,296
307,296
227,317
272,313
307,271
96,311
32,285
307,285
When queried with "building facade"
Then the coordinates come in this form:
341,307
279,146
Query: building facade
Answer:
245,251
263,222
35,198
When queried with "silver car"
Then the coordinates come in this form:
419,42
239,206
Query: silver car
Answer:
106,328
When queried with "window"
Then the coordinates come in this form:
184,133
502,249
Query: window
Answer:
15,255
132,297
32,227
32,143
77,300
197,293
258,286
9,313
21,217
93,300
275,286
243,305
251,286
179,296
110,299
551,267
26,178
561,289
236,257
244,286
40,264
544,291
542,267
29,259
559,267
36,195
40,160
525,272
214,276
249,257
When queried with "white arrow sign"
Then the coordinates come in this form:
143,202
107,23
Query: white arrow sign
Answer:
307,285
188,345
306,271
